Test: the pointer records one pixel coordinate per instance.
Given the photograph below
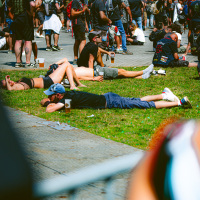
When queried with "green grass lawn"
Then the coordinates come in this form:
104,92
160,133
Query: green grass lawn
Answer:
133,127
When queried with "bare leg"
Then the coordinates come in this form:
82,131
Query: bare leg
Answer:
18,50
10,41
192,64
35,50
118,42
81,46
152,98
28,50
56,37
48,40
129,74
58,75
76,47
165,104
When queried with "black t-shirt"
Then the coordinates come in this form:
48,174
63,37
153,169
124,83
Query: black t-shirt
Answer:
135,6
89,48
84,100
98,23
115,14
79,19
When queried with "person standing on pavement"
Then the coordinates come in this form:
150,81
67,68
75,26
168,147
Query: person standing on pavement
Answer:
21,12
136,7
79,26
51,24
115,16
124,17
100,21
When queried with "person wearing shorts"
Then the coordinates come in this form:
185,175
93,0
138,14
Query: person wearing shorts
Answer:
79,26
79,100
84,73
22,25
40,15
166,54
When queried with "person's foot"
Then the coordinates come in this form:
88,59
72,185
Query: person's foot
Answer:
169,95
37,34
186,102
17,65
127,53
75,62
81,85
27,65
56,48
48,49
74,88
41,36
119,51
148,69
10,51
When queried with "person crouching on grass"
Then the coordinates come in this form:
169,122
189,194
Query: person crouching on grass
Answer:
57,95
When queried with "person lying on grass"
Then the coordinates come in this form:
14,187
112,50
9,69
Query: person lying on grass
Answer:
57,95
84,73
64,69
90,74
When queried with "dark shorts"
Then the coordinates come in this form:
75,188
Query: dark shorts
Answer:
179,63
23,27
115,101
161,19
79,32
47,82
28,81
40,15
193,24
109,73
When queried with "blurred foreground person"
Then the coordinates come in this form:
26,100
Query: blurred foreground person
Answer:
172,169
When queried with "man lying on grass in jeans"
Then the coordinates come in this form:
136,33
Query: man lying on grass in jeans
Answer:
57,95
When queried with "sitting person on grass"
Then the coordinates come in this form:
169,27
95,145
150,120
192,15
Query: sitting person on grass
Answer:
91,52
64,69
84,73
57,95
166,54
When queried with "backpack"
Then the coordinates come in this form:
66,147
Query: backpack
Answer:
49,8
154,8
110,8
195,44
68,9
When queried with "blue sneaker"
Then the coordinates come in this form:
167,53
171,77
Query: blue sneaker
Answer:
185,102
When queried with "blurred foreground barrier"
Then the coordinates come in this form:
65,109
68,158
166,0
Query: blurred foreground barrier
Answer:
72,182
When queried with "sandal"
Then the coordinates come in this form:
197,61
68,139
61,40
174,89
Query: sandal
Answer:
17,65
29,65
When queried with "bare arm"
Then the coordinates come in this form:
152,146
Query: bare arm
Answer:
178,43
104,18
75,13
176,56
106,52
129,12
91,61
187,48
52,107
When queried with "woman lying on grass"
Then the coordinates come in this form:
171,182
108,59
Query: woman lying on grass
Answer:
64,69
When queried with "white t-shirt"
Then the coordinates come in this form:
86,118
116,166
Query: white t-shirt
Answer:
178,34
140,35
177,12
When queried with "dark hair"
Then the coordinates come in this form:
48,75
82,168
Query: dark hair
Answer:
51,69
91,36
159,26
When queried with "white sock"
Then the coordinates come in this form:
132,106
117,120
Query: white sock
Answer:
146,75
179,103
164,95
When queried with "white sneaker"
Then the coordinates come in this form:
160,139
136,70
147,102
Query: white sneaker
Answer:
170,96
41,36
120,51
161,71
37,34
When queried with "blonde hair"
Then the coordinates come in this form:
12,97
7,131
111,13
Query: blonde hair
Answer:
133,26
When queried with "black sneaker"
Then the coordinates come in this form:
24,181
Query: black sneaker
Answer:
186,102
48,49
75,62
56,48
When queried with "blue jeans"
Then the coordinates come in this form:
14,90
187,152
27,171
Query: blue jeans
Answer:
150,19
115,101
120,27
139,22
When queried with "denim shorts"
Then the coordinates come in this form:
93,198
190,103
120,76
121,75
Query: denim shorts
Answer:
115,101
